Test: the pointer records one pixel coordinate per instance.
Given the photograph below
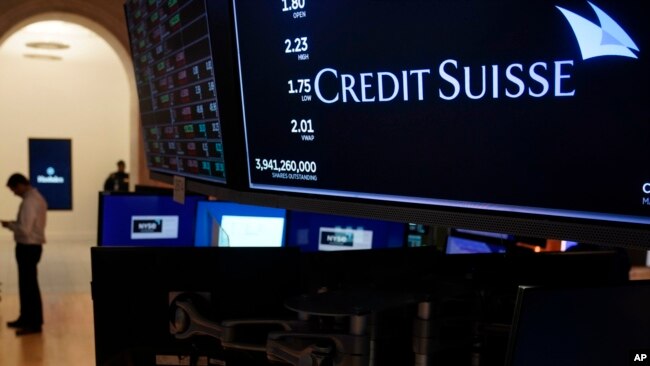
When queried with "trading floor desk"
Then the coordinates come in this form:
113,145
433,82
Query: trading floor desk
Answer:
262,306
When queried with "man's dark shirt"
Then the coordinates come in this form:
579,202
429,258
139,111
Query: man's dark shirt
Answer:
117,182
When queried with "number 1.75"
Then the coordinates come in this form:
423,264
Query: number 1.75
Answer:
300,86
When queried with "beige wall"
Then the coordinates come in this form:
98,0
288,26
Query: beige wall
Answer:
107,19
94,104
108,14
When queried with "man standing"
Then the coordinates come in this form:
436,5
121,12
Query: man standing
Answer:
29,234
119,180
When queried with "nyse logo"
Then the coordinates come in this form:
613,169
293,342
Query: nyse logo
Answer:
334,238
154,227
348,238
147,226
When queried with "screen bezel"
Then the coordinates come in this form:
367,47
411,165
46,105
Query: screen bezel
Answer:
546,227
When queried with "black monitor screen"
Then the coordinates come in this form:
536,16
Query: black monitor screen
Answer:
177,89
320,232
133,289
146,220
580,326
512,107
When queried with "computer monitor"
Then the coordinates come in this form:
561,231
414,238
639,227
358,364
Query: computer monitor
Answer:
228,224
462,241
131,219
576,326
320,232
518,123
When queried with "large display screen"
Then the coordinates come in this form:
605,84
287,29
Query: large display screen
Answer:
174,70
519,107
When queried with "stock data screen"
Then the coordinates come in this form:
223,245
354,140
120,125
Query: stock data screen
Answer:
174,71
531,107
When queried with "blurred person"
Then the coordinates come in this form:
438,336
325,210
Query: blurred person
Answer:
29,235
119,180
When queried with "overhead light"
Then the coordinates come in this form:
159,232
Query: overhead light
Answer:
57,28
48,45
69,40
38,56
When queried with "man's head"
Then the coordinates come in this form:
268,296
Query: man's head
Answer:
19,184
121,166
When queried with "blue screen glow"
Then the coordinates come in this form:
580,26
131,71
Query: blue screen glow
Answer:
146,220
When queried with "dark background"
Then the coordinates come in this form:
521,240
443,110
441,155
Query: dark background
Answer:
582,153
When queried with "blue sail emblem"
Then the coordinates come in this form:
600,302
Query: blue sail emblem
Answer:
608,39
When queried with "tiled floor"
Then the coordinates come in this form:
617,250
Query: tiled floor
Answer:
67,338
